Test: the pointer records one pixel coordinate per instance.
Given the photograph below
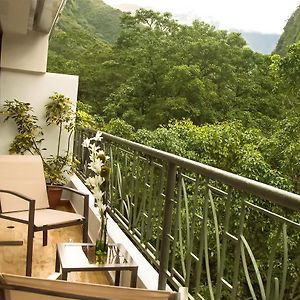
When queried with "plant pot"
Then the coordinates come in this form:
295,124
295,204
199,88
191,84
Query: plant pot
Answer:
54,195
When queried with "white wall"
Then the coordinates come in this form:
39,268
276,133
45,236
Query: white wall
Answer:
34,88
25,52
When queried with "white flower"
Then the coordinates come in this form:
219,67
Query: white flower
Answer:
98,194
102,207
96,165
101,152
99,180
86,143
91,181
98,136
93,149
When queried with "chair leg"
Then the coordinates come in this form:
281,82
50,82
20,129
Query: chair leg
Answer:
30,236
45,236
85,225
85,231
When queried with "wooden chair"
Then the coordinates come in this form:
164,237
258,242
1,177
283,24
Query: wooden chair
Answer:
13,287
23,198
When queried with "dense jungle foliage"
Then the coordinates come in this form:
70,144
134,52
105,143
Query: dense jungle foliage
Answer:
235,109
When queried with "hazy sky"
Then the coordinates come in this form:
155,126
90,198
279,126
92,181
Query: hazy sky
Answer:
267,16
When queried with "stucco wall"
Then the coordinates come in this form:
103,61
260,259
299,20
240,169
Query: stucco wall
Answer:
34,88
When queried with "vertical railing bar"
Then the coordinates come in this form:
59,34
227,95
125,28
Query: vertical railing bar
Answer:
224,244
215,218
205,219
176,225
132,189
138,185
201,253
180,225
276,288
238,250
126,180
160,207
143,203
271,264
150,204
187,218
254,263
111,181
248,279
119,179
165,244
191,242
285,261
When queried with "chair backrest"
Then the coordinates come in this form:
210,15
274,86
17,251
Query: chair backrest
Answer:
15,287
23,174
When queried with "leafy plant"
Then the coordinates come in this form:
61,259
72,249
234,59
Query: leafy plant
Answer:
30,135
59,112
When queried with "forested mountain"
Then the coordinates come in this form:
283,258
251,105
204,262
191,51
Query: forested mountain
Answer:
291,33
260,42
81,42
93,16
159,69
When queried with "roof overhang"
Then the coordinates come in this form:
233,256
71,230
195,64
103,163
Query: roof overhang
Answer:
22,16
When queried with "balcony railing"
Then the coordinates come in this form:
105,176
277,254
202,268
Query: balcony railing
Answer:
221,235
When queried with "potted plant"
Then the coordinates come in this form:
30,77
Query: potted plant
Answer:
96,182
30,137
60,113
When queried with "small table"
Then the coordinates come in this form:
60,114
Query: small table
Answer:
74,257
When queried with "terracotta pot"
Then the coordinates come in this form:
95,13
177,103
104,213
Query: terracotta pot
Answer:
54,195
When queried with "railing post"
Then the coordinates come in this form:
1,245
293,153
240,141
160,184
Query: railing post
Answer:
167,222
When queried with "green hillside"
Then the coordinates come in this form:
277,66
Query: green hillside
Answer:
93,16
81,42
291,33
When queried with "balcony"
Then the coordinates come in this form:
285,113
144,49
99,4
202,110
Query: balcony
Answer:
186,225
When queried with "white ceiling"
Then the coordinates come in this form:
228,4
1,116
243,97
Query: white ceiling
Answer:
21,16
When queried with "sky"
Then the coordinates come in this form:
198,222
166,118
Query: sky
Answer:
266,16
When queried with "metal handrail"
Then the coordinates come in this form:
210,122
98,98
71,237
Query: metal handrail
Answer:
270,193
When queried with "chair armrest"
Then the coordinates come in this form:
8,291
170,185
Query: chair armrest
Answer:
19,195
85,200
31,207
72,190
